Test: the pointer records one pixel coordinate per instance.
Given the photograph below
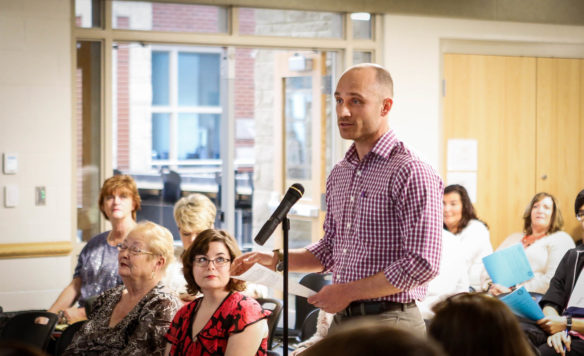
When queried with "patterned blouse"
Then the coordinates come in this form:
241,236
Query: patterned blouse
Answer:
234,314
97,266
139,333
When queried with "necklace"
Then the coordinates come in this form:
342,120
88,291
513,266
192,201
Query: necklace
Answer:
528,240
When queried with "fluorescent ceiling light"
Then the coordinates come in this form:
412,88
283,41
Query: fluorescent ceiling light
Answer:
361,16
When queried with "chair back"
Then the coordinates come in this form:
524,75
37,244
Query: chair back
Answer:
67,337
23,329
314,281
309,325
275,306
171,190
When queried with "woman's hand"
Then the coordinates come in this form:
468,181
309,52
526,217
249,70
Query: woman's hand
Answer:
245,261
74,314
558,341
552,324
497,289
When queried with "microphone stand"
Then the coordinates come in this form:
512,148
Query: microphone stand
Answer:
285,228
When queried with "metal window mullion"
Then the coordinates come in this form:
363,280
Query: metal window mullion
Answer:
228,143
173,97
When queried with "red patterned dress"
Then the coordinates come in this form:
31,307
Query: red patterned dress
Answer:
234,314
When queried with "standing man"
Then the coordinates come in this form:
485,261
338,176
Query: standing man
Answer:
383,224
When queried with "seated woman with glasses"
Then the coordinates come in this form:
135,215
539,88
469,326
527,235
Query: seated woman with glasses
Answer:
223,321
131,319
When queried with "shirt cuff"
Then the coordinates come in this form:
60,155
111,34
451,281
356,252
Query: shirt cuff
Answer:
319,250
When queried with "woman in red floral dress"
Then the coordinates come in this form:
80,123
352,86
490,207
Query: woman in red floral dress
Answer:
223,321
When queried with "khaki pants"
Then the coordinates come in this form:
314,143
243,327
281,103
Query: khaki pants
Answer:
406,318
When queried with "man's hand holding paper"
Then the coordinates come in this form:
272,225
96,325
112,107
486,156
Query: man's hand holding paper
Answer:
262,275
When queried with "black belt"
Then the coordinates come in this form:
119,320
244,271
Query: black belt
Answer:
372,308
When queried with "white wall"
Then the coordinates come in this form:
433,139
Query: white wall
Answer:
35,123
413,54
35,115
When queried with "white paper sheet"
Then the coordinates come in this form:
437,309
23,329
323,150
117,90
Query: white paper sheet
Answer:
467,179
462,154
262,275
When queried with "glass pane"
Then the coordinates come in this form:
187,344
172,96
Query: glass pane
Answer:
361,57
153,16
87,13
361,25
290,23
298,113
160,136
160,78
198,136
198,79
88,152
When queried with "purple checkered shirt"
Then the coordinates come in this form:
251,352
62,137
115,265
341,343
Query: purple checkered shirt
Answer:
384,213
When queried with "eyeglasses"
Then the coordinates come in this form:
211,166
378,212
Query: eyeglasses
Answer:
580,216
133,250
218,262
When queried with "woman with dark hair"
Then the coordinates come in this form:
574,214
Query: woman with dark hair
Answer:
544,242
223,321
373,338
473,235
475,324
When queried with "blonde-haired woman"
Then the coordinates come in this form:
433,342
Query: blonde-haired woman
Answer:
131,319
193,214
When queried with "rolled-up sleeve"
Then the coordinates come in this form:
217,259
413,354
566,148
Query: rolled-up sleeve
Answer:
323,249
417,191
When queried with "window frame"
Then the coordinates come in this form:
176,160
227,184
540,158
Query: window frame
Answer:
174,109
107,36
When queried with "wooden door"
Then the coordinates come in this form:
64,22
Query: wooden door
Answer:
560,133
527,115
492,99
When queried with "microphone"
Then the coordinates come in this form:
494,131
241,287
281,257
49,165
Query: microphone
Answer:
292,195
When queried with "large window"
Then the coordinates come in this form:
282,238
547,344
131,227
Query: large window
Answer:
229,100
186,109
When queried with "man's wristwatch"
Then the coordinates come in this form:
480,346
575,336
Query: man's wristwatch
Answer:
568,322
280,263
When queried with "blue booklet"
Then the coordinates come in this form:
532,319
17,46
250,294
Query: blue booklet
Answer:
509,266
521,303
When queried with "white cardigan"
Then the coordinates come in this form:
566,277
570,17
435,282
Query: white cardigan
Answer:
475,243
543,255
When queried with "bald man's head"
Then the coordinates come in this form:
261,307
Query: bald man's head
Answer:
382,77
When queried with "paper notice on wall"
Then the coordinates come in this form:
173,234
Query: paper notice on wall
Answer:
462,155
262,275
467,179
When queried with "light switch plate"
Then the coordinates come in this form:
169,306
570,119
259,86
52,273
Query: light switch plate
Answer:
10,196
10,163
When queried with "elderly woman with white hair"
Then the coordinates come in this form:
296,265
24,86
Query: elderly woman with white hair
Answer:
131,319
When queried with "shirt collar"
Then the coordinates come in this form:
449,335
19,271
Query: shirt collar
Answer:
382,148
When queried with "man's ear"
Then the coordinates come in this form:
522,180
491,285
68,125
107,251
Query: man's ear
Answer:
387,104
